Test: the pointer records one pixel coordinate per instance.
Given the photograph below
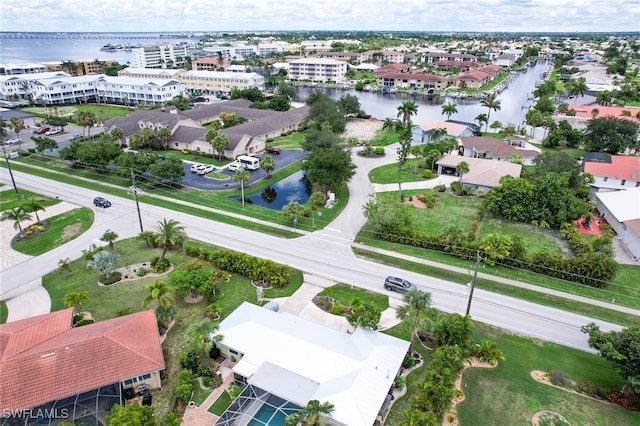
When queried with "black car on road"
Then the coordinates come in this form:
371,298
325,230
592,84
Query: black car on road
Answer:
101,202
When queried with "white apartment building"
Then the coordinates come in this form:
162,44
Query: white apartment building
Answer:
14,87
167,55
65,90
241,51
217,81
13,69
317,69
135,91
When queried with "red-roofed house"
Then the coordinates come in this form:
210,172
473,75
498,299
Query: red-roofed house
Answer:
75,374
620,172
488,147
586,112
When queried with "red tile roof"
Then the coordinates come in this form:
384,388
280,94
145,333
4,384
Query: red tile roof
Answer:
43,358
621,167
584,111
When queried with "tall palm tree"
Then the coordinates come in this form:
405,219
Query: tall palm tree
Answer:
201,334
164,134
449,109
462,168
17,125
18,215
109,237
268,164
388,125
314,409
437,133
170,234
406,110
117,134
481,118
240,176
578,87
492,103
160,292
417,310
75,299
33,206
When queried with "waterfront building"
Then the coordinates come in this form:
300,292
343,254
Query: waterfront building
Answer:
18,86
138,91
14,69
166,55
414,80
217,81
317,69
433,57
154,73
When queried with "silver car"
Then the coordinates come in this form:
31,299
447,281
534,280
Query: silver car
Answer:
398,284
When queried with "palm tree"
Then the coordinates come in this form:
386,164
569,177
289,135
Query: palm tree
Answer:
109,237
33,206
406,110
160,292
201,334
18,215
75,299
578,87
240,176
220,143
437,133
17,125
481,118
311,413
164,134
388,125
268,164
417,310
462,168
64,265
492,103
87,119
117,134
603,98
170,234
69,66
449,109
595,112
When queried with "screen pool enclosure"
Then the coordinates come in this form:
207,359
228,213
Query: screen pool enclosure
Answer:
257,407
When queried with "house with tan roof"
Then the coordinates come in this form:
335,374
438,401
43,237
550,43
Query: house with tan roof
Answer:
488,147
76,373
422,133
483,174
621,209
411,80
613,172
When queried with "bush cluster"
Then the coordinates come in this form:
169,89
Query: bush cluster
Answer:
159,266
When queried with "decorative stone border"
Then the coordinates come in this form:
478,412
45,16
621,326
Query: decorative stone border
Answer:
538,417
129,273
475,363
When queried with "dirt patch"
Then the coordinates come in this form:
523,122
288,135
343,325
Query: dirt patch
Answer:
415,203
363,130
71,231
548,418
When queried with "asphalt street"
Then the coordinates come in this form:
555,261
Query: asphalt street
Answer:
326,253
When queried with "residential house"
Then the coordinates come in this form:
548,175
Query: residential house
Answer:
585,113
483,174
612,172
460,66
340,56
505,61
317,69
17,69
621,209
422,133
65,90
76,374
284,361
18,86
488,147
394,69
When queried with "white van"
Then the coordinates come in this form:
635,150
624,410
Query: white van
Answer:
249,163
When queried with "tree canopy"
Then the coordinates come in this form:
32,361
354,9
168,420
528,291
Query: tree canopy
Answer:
610,134
329,167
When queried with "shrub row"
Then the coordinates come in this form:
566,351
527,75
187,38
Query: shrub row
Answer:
259,270
592,269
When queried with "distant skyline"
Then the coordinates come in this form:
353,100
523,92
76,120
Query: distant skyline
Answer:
356,15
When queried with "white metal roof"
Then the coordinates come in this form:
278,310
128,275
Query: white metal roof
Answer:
623,204
352,371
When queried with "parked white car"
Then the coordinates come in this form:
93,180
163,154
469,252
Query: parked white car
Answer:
53,132
234,166
12,141
206,169
194,167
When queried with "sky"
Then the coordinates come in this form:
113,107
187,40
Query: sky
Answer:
376,15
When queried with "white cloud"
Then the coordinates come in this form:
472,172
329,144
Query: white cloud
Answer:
235,15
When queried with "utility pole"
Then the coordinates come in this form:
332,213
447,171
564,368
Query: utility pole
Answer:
4,152
473,281
134,189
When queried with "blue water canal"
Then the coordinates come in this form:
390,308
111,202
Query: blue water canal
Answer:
281,193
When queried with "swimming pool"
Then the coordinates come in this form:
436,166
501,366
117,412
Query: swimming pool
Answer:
273,412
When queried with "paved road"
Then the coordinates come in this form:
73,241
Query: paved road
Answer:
326,253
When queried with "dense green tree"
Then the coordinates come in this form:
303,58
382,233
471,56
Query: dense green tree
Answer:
318,139
86,119
99,153
17,125
286,90
481,118
577,87
325,110
310,414
201,334
168,171
328,168
181,102
385,215
279,103
512,199
610,134
194,279
545,105
292,211
557,162
349,105
252,94
44,143
454,330
622,348
403,150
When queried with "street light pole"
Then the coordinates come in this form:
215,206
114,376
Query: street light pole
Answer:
135,197
473,282
4,152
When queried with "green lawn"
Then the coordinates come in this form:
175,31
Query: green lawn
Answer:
10,200
221,404
384,137
199,394
104,112
411,172
507,395
345,294
62,229
536,239
292,141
